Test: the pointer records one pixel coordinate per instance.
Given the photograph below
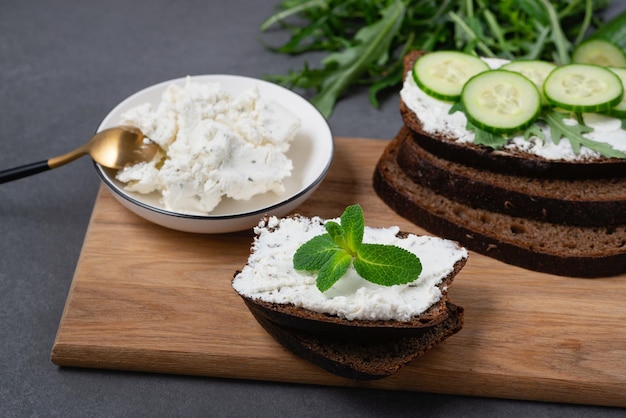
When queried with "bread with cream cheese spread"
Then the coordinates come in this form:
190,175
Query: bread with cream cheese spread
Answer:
359,349
561,249
585,202
564,217
365,359
509,161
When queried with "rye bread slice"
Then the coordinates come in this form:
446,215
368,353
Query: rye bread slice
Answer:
358,348
360,360
332,326
585,202
541,246
503,161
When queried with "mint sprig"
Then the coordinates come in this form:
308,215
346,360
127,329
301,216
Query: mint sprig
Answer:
332,253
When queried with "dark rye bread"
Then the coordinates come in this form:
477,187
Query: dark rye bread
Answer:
585,202
359,349
504,161
361,360
541,246
332,326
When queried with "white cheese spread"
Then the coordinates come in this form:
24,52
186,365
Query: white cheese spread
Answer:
435,117
269,274
213,144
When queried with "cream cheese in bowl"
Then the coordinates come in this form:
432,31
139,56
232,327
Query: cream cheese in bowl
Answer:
232,150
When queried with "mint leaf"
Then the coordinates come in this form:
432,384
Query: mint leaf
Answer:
316,252
387,265
332,253
336,233
333,270
349,234
353,225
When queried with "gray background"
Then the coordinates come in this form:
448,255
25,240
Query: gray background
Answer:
63,65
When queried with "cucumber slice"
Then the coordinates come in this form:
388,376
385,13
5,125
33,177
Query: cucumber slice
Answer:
613,31
535,70
619,110
583,88
599,52
442,74
501,101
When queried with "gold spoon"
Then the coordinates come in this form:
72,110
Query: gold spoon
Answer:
113,148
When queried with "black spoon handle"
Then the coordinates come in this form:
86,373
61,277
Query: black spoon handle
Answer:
23,171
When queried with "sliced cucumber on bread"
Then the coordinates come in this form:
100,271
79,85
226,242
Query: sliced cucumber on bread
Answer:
619,110
599,52
501,101
605,46
443,74
535,70
583,88
613,31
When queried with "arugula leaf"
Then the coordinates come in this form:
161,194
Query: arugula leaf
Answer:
488,139
481,137
562,44
558,130
297,8
332,253
534,130
574,133
469,32
347,66
365,41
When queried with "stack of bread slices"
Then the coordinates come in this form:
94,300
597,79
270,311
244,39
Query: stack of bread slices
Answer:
558,216
357,330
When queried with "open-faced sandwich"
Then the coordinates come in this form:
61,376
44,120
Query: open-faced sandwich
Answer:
523,161
359,302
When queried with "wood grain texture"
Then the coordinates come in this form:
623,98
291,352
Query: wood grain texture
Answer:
146,298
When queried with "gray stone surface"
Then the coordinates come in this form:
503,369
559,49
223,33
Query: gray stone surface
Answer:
63,65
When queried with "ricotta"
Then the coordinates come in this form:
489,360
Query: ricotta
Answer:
269,274
213,145
435,117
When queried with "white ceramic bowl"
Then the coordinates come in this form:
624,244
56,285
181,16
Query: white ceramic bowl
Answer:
311,152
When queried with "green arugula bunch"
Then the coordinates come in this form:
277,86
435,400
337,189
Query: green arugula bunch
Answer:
365,41
332,253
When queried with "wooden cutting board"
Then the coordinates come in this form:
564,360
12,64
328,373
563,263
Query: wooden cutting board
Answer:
146,298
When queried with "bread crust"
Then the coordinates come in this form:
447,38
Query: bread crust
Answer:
585,202
332,326
362,360
359,349
541,246
503,161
